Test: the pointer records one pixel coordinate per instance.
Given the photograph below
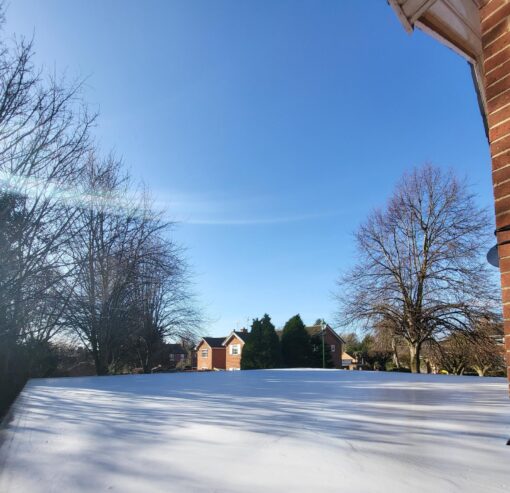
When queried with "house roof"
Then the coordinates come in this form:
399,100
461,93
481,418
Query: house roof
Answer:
314,330
348,356
214,342
242,335
176,349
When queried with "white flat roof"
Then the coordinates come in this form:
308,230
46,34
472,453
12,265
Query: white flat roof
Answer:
259,431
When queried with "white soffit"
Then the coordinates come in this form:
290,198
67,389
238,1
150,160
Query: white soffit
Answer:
455,23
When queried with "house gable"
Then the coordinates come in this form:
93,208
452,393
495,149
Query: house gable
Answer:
317,329
331,339
200,344
210,353
240,336
234,347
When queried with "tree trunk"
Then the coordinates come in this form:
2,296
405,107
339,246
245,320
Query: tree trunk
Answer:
414,352
101,368
396,360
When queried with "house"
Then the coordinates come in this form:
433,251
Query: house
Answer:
234,344
331,339
176,354
225,353
210,353
349,362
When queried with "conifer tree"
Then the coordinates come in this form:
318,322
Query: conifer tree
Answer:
262,349
296,347
271,344
253,347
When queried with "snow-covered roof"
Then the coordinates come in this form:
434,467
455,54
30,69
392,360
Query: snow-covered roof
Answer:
362,431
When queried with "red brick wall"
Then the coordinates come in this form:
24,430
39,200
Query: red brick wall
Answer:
336,355
495,22
204,363
218,360
215,357
234,360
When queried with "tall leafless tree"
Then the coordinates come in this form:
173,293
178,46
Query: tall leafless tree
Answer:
129,282
80,254
420,268
44,135
162,305
480,350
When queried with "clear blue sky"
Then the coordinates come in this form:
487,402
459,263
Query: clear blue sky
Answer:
270,128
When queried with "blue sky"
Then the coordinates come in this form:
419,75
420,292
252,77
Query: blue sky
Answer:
269,129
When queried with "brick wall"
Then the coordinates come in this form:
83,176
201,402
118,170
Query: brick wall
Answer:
495,22
215,357
336,355
233,361
218,360
204,363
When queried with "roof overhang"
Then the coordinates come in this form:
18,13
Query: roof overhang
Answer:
455,23
335,334
326,329
202,341
231,336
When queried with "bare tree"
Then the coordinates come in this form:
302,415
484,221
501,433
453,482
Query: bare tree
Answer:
163,306
420,270
487,350
128,287
451,354
102,248
81,256
43,137
480,350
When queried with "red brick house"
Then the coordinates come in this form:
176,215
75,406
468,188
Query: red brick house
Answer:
332,340
210,353
234,344
225,353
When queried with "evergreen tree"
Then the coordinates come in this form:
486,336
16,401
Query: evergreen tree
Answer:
271,344
296,347
253,347
262,349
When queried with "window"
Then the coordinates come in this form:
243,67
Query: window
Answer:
204,353
235,349
333,348
172,357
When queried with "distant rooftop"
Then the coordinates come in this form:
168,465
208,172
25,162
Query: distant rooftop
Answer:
214,341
